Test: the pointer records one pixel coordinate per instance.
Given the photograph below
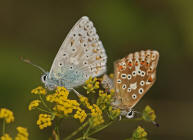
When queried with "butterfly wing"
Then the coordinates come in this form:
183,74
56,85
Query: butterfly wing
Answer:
81,55
134,76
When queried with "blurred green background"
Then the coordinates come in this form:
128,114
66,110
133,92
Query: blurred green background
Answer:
35,29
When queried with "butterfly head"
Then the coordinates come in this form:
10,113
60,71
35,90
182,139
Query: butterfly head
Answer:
49,84
44,78
130,114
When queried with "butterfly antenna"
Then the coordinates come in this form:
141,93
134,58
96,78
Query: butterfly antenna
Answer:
29,62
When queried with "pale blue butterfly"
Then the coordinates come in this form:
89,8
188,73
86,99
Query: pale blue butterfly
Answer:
80,56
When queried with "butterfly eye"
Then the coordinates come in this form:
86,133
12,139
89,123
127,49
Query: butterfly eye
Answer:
141,91
124,86
142,73
123,76
134,96
43,78
142,83
130,114
134,73
129,76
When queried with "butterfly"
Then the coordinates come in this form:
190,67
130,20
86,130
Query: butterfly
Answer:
133,77
80,56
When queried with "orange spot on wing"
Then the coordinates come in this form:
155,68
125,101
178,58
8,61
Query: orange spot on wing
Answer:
120,67
150,79
130,64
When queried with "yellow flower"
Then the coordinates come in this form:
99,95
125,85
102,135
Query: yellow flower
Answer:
6,137
111,75
113,113
149,114
39,90
33,104
139,133
22,134
84,100
7,115
104,100
96,114
44,121
91,85
58,97
80,114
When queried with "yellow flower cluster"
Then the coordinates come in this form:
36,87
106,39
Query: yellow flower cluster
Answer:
80,114
60,96
139,133
39,90
7,115
66,107
113,113
33,104
22,134
103,100
6,137
97,117
63,104
91,85
96,112
149,114
44,121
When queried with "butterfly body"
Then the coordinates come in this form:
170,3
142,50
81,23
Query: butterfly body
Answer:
80,56
134,76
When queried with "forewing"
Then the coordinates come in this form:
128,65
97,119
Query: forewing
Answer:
134,75
82,53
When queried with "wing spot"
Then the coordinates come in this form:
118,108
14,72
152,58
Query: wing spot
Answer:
124,86
142,83
129,90
123,76
139,72
129,76
142,73
134,96
134,73
119,81
141,91
85,62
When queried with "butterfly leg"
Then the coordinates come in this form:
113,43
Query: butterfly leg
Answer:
76,92
120,118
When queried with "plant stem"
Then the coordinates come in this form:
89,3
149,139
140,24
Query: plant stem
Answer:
3,127
86,133
45,105
76,131
101,128
88,138
43,110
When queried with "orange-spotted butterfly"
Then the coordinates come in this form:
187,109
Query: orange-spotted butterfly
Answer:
133,77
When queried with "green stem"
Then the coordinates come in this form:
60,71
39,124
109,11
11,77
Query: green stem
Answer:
45,105
57,134
88,138
76,131
44,110
86,133
3,127
101,128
